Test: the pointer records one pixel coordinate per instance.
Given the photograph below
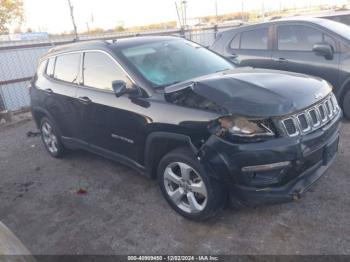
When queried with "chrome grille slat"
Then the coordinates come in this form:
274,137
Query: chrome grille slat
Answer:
331,104
304,122
322,111
315,117
335,103
312,118
290,125
328,107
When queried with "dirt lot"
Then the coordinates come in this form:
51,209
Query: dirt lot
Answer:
124,212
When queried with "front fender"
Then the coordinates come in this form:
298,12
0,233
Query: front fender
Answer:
160,143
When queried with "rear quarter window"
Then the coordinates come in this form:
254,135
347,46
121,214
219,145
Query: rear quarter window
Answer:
50,67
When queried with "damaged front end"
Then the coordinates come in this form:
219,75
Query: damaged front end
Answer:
188,98
228,126
242,130
247,148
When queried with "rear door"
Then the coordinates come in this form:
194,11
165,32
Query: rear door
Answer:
251,48
293,51
60,84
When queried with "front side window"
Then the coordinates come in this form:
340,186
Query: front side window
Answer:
298,37
255,39
67,68
329,40
163,63
338,28
100,71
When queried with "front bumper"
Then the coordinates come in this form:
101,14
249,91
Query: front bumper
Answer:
309,157
293,190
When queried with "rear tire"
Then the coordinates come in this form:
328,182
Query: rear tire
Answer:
346,104
51,138
188,188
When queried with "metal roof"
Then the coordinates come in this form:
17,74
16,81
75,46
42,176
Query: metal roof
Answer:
107,45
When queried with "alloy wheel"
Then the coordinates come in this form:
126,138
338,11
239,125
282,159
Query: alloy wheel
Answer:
185,187
49,138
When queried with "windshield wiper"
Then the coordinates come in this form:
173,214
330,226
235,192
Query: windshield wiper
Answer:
222,70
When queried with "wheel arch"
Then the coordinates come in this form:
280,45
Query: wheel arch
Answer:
160,143
340,92
38,114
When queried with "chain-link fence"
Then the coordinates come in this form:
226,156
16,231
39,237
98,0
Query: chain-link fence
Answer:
18,59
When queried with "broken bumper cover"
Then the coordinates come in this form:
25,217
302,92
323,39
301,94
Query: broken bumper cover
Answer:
293,190
274,171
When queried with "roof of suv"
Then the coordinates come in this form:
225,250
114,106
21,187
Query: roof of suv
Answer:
313,20
104,44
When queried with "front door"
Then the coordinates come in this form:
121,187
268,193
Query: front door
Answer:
294,44
108,123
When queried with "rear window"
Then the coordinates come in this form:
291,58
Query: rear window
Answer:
67,68
255,39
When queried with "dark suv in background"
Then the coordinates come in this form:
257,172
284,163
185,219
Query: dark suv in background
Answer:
312,46
180,113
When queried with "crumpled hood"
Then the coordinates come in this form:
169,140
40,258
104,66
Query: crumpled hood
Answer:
258,92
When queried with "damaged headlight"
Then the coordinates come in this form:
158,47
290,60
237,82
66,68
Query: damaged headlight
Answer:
244,128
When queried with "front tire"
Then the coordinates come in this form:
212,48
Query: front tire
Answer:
51,138
346,104
188,188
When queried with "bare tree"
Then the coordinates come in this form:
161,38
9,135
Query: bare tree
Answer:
73,21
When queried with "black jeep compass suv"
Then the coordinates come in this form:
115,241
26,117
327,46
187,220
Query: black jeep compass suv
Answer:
178,112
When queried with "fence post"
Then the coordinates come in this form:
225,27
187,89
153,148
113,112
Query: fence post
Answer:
216,29
2,104
182,32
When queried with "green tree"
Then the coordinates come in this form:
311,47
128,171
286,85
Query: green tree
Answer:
10,11
119,28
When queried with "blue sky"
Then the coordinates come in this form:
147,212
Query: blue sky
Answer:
53,15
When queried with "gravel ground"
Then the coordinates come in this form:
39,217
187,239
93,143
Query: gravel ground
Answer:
123,212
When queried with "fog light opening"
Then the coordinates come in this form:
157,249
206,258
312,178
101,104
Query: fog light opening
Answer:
266,167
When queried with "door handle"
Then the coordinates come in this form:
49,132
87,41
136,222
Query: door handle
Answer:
84,99
280,60
48,90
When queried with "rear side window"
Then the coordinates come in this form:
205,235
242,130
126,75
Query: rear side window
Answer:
235,42
50,67
298,37
100,71
67,68
255,39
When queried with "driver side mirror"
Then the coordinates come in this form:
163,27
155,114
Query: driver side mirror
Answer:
120,88
323,49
